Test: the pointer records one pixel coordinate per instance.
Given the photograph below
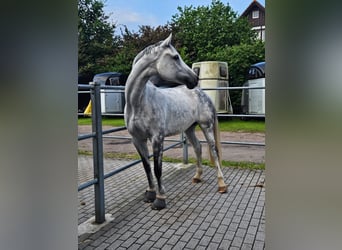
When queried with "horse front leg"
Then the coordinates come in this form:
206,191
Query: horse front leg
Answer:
141,146
157,145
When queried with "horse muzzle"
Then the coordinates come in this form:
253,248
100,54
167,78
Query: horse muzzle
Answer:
193,83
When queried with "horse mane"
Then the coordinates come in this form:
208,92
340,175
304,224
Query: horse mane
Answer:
148,50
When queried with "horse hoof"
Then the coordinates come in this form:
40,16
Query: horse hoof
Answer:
222,189
150,196
158,204
196,180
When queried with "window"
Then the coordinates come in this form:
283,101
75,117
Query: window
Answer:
255,14
114,81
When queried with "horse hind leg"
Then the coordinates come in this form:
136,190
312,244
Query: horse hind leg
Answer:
190,133
211,134
141,146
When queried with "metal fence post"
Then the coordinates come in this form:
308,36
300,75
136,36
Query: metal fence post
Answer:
185,149
98,153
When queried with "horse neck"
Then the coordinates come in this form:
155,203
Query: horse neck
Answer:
136,83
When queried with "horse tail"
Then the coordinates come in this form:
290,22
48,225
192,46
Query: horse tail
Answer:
217,138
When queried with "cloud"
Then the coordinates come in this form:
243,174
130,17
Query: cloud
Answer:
132,19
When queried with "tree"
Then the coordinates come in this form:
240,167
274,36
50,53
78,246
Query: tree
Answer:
203,30
239,59
133,43
95,37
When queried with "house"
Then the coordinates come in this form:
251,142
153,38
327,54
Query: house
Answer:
255,14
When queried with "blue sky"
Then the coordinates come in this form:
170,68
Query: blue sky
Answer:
133,13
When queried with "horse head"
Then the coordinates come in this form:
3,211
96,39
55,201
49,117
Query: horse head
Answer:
171,68
165,63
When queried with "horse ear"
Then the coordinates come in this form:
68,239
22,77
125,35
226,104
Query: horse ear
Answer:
167,41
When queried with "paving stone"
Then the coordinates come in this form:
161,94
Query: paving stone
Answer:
168,247
127,243
246,246
217,238
225,244
116,244
199,234
181,230
259,245
205,240
210,231
98,241
160,243
237,241
229,235
249,238
213,245
147,245
156,236
180,245
192,244
173,240
193,228
102,247
197,217
143,238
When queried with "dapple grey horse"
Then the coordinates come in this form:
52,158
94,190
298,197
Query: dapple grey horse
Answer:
153,113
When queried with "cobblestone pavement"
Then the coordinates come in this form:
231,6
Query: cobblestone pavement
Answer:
196,217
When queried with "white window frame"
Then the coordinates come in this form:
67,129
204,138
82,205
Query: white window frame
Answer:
255,14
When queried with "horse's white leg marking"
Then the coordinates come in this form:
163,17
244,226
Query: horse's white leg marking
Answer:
157,145
190,133
210,136
141,146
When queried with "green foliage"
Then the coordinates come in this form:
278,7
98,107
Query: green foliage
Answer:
133,43
203,30
240,58
95,37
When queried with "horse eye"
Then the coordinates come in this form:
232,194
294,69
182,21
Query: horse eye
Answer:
176,57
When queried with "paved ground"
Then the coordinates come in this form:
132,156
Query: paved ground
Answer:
196,217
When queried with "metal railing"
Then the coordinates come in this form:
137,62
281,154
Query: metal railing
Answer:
98,134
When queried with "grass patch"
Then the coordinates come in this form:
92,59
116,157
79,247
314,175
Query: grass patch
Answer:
238,125
106,121
228,125
232,164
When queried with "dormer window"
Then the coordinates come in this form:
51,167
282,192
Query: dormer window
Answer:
255,14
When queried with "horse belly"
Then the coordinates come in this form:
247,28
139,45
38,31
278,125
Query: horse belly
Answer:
178,123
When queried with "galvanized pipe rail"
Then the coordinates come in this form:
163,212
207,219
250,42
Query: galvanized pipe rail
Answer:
96,135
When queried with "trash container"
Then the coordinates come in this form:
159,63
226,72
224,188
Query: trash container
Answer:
213,74
112,101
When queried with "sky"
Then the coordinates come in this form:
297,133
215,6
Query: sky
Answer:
134,13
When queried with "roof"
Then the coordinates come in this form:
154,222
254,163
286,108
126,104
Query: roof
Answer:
103,78
257,70
253,4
